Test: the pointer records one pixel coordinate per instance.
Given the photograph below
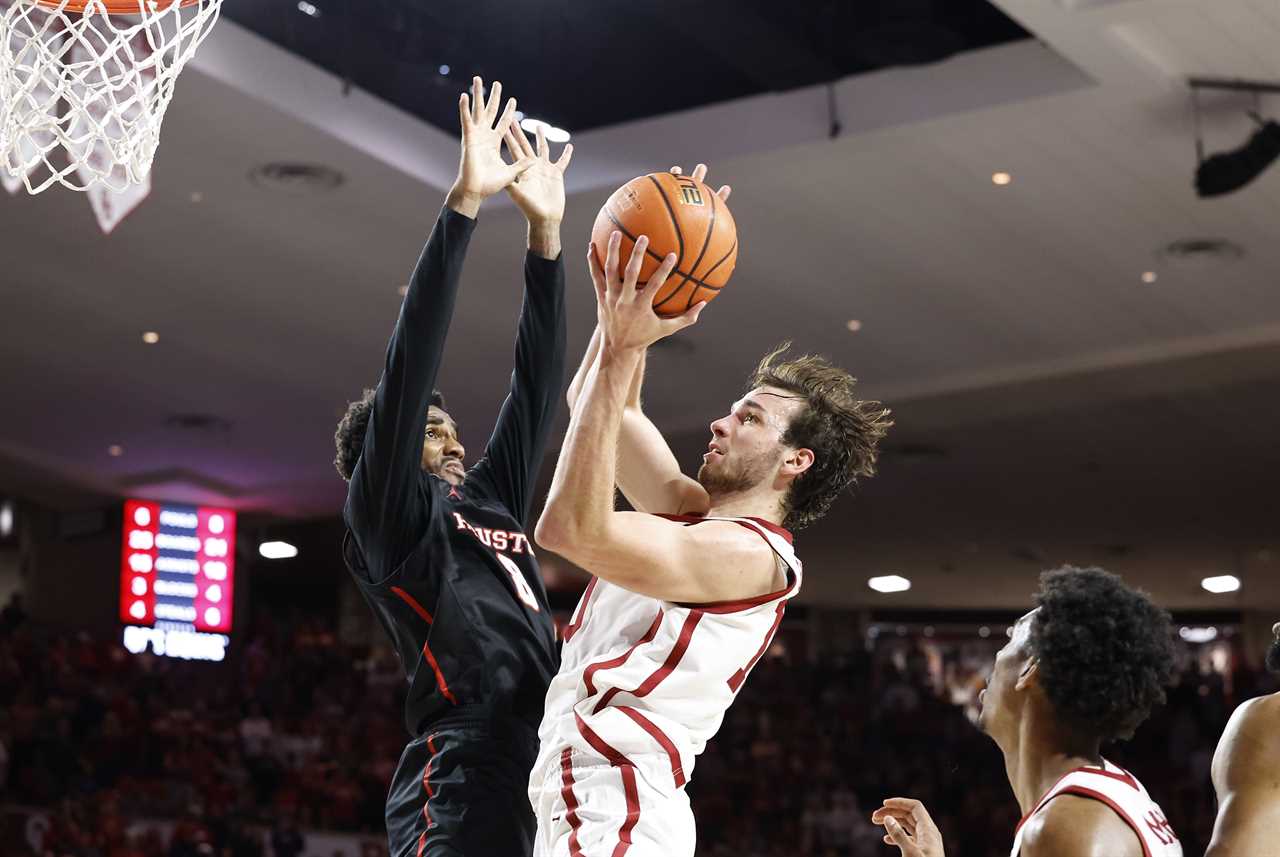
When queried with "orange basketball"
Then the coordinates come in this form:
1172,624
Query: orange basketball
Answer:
682,216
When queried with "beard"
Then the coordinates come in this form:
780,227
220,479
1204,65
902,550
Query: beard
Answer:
722,477
1273,656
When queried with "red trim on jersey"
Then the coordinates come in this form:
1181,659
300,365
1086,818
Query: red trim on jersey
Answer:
572,627
570,801
677,769
426,805
621,659
633,810
736,680
668,666
1127,779
1082,791
768,525
720,607
413,602
612,756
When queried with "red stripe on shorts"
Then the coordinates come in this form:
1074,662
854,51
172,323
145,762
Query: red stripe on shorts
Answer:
570,801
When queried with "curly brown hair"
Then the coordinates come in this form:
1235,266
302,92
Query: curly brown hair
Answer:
843,431
354,425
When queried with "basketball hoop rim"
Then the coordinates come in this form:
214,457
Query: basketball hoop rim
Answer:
112,7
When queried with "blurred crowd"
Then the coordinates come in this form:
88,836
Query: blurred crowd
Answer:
296,733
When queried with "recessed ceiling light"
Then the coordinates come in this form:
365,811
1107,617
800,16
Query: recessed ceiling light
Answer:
854,325
444,70
1149,277
277,550
308,9
151,337
197,196
552,133
889,583
1001,178
115,450
1220,584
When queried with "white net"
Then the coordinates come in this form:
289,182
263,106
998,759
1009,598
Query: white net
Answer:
83,94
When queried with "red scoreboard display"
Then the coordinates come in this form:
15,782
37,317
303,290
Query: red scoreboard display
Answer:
177,579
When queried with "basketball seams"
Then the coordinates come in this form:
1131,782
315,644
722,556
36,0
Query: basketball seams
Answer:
626,233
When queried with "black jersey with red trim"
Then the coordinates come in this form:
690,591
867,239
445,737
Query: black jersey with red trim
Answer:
450,572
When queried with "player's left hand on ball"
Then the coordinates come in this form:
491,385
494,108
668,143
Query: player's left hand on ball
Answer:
908,825
539,190
700,175
624,311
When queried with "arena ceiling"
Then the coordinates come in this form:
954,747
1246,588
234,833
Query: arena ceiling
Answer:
1051,404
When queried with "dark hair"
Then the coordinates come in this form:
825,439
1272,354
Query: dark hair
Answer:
843,432
349,438
1105,651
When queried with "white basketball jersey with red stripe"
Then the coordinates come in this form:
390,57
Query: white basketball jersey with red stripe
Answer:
647,681
1121,791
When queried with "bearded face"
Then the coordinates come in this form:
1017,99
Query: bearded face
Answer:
746,446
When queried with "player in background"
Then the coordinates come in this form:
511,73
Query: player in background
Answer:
1246,775
682,605
1084,668
439,551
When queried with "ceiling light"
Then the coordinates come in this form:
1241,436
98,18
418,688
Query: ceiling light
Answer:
308,9
1198,635
552,133
889,583
1001,179
1220,584
277,550
151,337
854,325
197,196
1149,277
6,519
115,450
444,70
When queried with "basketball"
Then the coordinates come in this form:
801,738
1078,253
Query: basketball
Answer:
680,215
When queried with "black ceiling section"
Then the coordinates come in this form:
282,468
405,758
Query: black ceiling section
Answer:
582,64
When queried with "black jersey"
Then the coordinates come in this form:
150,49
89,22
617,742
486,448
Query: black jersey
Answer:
450,572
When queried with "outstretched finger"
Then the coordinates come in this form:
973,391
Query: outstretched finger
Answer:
700,172
477,98
611,259
688,318
632,275
544,151
495,100
657,278
464,114
597,273
724,192
566,155
508,115
677,171
522,140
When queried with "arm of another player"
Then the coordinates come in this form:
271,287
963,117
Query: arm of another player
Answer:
1246,780
385,508
515,450
709,562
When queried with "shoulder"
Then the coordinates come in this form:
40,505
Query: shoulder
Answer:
1251,741
1077,826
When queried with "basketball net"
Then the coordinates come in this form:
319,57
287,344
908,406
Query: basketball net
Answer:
83,94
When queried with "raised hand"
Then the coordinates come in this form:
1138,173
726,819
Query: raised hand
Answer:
700,174
539,190
625,312
482,171
908,825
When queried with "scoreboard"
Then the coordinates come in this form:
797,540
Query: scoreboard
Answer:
177,579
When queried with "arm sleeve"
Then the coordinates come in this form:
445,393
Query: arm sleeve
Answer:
515,450
388,501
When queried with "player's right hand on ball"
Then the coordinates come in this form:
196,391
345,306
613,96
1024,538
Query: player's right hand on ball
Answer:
907,825
482,171
625,311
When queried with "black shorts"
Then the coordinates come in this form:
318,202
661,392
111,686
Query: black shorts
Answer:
462,790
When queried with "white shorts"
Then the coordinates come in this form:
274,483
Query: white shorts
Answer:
587,807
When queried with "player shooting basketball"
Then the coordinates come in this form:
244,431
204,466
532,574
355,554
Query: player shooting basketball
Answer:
1246,775
682,606
1084,668
438,550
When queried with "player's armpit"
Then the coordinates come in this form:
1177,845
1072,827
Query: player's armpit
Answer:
712,561
1077,826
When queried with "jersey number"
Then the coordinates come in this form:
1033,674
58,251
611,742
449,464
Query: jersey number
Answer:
522,585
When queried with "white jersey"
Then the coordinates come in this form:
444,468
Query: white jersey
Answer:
1121,791
644,681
